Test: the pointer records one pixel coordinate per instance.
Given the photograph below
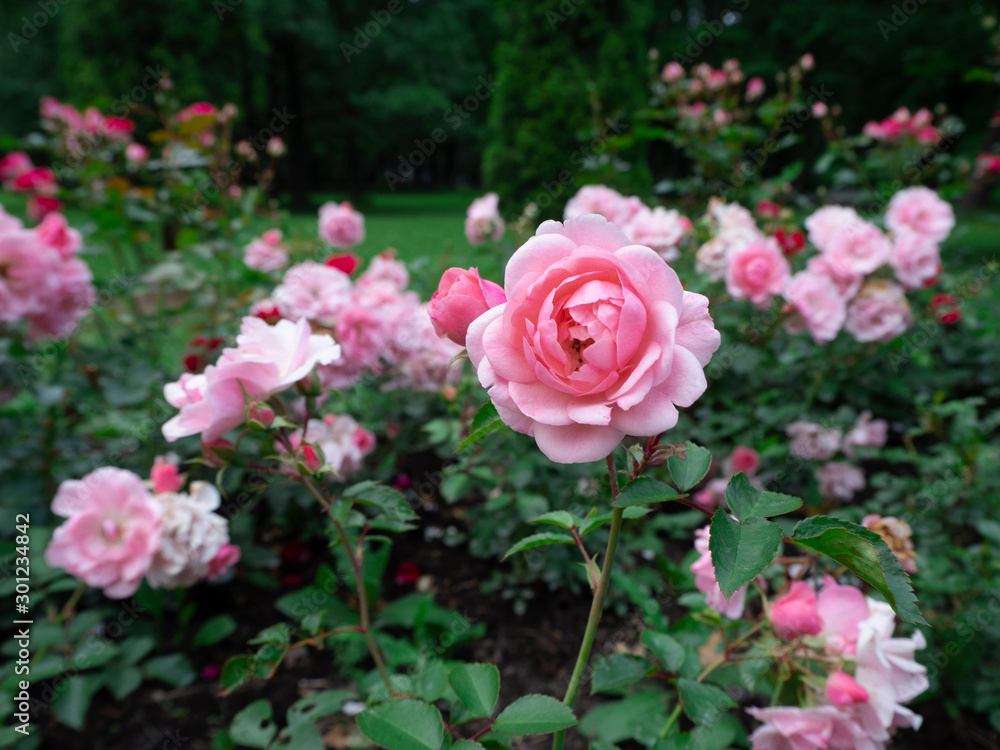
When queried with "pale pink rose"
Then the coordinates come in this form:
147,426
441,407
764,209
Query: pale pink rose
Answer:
264,256
722,117
483,221
879,312
191,536
840,481
866,433
846,281
136,153
743,459
276,147
716,80
672,72
600,199
807,61
597,340
26,280
819,110
165,476
422,359
267,360
461,297
313,291
731,216
812,728
712,258
9,223
13,164
813,442
227,556
843,691
858,248
824,222
842,609
660,229
340,225
755,88
66,301
705,581
363,334
920,210
757,271
111,533
818,303
795,614
385,270
344,442
55,232
916,260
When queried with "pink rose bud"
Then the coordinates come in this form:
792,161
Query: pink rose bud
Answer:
743,459
259,415
796,614
312,459
808,62
166,476
346,262
227,556
136,153
276,147
272,237
449,392
755,88
843,691
461,297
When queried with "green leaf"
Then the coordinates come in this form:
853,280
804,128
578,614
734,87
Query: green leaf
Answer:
595,522
299,737
71,705
175,670
703,703
467,745
556,518
667,650
632,718
312,708
403,725
740,551
214,630
477,687
691,468
236,671
279,634
745,500
486,421
644,491
866,555
391,502
534,714
617,671
254,726
539,540
123,682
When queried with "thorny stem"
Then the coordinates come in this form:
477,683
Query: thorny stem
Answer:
597,606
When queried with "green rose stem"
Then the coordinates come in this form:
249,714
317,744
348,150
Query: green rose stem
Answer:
598,604
359,579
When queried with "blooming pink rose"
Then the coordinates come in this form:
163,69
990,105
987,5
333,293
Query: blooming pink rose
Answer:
14,164
813,442
847,282
461,297
712,494
706,582
136,153
824,222
29,274
40,206
9,223
597,340
340,225
672,72
363,334
313,291
839,481
660,229
866,433
165,475
743,459
117,128
600,199
842,608
916,260
387,272
483,221
267,360
811,728
227,556
818,303
716,80
920,210
55,232
262,255
819,110
198,109
859,247
879,312
38,180
755,88
111,534
795,614
843,691
757,271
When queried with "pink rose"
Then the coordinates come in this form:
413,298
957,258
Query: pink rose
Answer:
743,459
706,582
916,260
266,256
111,532
880,312
340,225
9,223
757,271
198,109
227,556
795,614
40,206
55,232
846,281
824,222
839,481
859,247
813,442
165,475
920,210
314,291
842,608
842,690
38,180
483,221
136,153
461,297
14,164
600,199
812,728
866,433
819,304
597,340
660,229
672,72
819,110
755,88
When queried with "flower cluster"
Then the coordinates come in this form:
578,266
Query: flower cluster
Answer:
838,480
119,530
902,125
19,175
342,442
266,253
42,280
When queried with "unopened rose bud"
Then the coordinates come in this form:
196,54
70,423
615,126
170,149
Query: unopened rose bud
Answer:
165,475
259,416
311,459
